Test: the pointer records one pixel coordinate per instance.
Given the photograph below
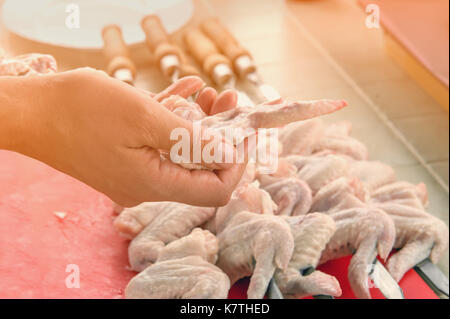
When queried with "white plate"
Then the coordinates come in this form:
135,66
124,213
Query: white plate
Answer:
45,20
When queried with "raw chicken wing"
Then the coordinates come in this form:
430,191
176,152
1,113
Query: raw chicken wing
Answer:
184,270
311,235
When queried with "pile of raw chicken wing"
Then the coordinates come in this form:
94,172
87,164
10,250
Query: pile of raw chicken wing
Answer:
326,200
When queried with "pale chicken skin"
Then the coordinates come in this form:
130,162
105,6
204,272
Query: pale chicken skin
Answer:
336,137
335,203
311,235
318,171
340,194
240,123
361,230
271,116
419,234
402,193
188,110
131,221
247,197
312,136
183,270
255,245
27,65
292,195
365,233
300,138
166,227
262,116
372,174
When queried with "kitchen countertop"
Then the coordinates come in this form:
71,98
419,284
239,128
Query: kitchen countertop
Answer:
322,49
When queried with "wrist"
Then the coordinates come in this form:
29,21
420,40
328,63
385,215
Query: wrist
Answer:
19,104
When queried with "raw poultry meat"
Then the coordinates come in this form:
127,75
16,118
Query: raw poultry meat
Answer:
132,221
255,245
188,110
340,194
270,116
335,202
241,122
184,269
363,232
402,193
262,116
372,174
249,233
170,223
300,138
27,65
292,195
336,137
248,197
419,234
311,234
312,136
318,171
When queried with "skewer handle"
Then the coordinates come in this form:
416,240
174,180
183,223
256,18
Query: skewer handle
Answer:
214,64
116,51
158,41
229,46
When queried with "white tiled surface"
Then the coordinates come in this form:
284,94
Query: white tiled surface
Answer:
428,133
339,28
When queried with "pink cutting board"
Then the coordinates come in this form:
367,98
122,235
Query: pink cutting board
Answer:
36,246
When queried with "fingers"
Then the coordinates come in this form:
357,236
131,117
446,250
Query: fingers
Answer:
227,100
199,187
195,187
213,104
184,87
185,141
206,99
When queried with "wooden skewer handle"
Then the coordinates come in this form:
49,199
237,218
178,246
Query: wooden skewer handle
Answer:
116,50
223,39
158,41
188,70
204,51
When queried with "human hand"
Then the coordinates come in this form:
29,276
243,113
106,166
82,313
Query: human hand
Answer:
108,135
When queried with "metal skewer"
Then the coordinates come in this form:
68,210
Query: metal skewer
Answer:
120,65
434,277
240,58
